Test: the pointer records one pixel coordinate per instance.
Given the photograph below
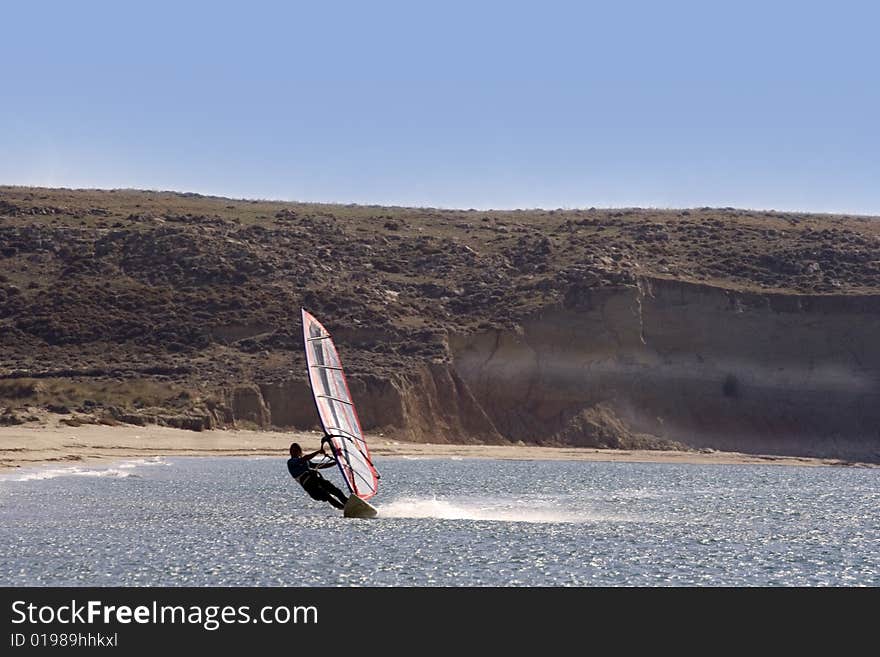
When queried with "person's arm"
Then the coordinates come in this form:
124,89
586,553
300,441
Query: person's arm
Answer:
310,456
329,463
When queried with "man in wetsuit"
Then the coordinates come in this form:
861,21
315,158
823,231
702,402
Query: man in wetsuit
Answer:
307,475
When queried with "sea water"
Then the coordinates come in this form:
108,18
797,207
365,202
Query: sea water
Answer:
443,522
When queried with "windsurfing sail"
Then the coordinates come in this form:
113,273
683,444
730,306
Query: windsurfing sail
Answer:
336,409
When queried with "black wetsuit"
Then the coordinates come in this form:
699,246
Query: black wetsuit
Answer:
314,484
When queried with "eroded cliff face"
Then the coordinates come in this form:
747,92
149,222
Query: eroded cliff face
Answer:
660,365
429,403
703,365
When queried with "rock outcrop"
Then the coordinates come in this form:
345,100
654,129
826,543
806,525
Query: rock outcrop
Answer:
428,404
706,366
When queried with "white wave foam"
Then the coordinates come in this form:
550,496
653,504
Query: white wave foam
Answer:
469,510
52,473
136,463
119,470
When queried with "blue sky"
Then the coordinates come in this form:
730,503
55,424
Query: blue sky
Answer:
450,104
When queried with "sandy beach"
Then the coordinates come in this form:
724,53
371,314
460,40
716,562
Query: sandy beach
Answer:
53,444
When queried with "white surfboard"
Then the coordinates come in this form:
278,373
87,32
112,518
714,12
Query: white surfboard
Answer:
355,507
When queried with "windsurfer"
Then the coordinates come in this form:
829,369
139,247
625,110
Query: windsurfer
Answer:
306,473
342,429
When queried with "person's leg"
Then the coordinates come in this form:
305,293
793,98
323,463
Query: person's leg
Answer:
333,491
317,490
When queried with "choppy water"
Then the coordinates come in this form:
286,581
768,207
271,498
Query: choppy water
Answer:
237,521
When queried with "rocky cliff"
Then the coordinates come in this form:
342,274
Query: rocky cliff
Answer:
723,328
428,402
707,366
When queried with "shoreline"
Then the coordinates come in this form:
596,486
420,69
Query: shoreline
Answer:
22,446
